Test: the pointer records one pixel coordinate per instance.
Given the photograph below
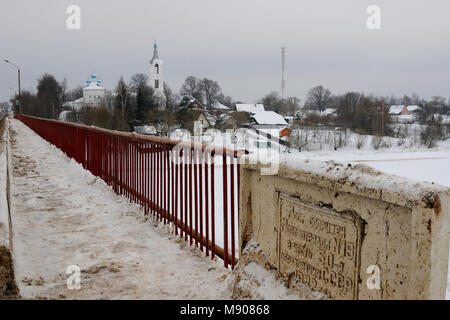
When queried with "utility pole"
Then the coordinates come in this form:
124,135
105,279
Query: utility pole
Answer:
18,79
283,69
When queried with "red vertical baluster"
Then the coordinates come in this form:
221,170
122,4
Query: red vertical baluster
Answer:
185,193
175,194
200,232
191,226
161,185
121,166
196,234
206,205
147,175
130,196
213,208
170,186
166,186
141,165
158,186
153,179
182,207
135,171
233,254
225,209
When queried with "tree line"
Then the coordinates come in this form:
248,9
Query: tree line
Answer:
135,103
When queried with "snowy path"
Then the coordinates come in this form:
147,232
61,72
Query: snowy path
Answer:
63,216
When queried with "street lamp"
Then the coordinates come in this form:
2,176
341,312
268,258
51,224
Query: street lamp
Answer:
18,77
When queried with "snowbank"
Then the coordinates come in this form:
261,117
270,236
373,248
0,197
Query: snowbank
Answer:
253,278
7,283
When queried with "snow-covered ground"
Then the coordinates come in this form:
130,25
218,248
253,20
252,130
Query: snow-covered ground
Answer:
423,165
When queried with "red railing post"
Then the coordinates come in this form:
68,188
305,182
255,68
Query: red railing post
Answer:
213,208
225,209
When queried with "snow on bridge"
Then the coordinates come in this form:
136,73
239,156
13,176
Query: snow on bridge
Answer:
63,216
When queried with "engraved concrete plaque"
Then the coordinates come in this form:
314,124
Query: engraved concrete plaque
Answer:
320,247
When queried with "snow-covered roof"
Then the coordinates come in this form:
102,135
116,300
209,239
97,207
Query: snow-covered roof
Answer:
396,109
413,108
220,106
269,117
328,111
149,130
77,104
211,119
250,107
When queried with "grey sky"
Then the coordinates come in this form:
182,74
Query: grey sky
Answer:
236,42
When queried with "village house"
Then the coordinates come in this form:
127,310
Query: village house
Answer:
403,113
191,111
264,120
234,120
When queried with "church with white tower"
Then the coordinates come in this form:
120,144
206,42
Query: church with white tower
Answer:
156,76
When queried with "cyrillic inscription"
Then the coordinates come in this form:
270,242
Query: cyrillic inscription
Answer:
321,247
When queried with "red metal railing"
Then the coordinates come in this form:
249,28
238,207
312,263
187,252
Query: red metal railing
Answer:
189,186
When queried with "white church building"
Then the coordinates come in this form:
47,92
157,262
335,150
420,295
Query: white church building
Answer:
94,92
93,95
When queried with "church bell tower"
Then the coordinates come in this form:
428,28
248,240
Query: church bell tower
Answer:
156,76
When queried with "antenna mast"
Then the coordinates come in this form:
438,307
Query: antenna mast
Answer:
283,69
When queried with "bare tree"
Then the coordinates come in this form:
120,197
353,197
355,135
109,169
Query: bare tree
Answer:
211,91
139,80
170,99
318,98
192,87
122,96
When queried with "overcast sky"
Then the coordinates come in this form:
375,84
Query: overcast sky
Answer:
236,42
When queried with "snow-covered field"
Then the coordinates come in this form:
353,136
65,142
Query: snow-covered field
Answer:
429,165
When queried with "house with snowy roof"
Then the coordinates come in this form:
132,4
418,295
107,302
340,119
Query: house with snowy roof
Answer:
405,113
268,120
404,110
190,111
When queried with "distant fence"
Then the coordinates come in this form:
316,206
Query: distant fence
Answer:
192,187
